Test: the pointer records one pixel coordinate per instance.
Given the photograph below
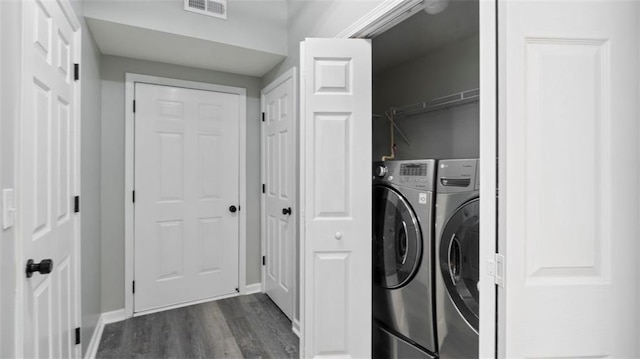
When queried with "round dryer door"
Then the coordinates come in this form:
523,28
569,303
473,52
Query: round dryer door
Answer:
459,259
397,241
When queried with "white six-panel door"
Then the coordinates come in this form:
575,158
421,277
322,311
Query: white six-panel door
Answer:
569,187
48,167
278,151
335,184
186,180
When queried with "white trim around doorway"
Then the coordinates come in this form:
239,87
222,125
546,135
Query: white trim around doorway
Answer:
130,80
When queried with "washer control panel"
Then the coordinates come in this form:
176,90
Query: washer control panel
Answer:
418,174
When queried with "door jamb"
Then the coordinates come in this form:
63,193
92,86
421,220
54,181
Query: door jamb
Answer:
130,80
289,74
390,13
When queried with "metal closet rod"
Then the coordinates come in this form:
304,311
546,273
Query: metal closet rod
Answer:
440,103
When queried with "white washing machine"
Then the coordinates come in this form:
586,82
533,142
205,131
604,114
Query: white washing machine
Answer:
403,267
457,228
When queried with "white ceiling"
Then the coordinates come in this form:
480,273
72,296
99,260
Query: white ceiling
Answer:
423,33
251,41
152,45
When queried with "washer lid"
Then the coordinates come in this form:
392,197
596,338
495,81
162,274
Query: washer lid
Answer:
459,259
397,241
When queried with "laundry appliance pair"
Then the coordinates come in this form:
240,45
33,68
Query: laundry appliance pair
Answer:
425,258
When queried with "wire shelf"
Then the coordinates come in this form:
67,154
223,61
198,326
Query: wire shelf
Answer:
437,104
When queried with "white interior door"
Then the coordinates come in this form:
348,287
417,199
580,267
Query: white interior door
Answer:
278,149
569,187
186,195
336,197
48,181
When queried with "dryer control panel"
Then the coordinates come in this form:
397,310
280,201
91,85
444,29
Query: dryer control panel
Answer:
457,175
419,174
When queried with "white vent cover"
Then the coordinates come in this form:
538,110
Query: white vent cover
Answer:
215,8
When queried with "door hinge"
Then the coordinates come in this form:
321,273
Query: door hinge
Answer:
263,117
77,335
495,268
133,196
76,204
264,260
264,188
76,72
134,106
133,287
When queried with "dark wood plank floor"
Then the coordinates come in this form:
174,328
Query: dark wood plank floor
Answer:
248,326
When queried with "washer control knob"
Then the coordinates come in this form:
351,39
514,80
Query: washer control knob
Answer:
381,171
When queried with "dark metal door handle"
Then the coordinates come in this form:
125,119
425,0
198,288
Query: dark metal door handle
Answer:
44,267
233,209
286,211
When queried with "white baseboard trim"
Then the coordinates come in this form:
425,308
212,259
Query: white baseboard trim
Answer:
113,316
104,319
253,288
295,327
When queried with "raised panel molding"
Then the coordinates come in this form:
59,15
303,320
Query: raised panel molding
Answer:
333,76
64,57
283,181
567,91
169,239
170,109
331,312
209,171
209,112
42,162
63,166
43,24
332,173
211,244
170,153
282,106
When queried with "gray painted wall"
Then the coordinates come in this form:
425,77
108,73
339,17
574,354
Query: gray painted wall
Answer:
453,133
90,244
9,116
317,18
113,71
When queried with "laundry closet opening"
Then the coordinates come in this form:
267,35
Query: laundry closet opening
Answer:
425,171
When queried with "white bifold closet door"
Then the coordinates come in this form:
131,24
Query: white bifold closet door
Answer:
336,198
569,192
186,182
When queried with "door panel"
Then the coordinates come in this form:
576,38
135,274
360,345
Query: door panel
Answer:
336,188
278,166
570,168
186,179
47,171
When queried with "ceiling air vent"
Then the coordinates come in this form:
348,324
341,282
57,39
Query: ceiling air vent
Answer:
215,8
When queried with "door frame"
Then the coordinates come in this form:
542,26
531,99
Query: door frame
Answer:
76,56
289,74
129,223
392,12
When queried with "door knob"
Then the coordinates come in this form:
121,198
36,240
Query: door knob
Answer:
233,209
44,267
286,211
